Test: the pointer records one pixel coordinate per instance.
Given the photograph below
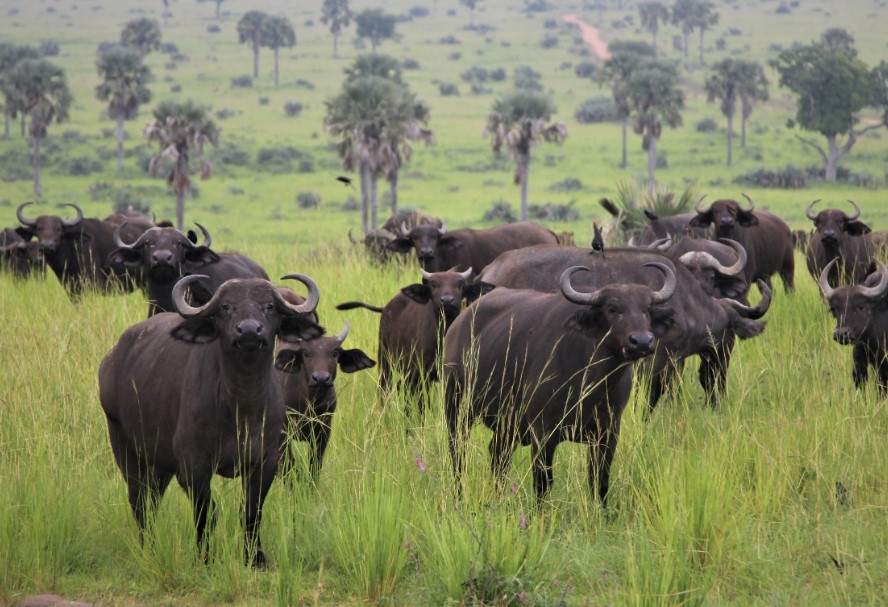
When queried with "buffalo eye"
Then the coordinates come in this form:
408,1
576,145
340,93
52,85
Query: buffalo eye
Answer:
460,285
226,307
269,306
433,285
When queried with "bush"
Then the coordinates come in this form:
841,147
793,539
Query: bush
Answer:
410,64
570,184
707,125
305,84
176,88
308,200
305,165
213,29
81,165
586,69
783,9
552,211
500,211
49,48
596,110
235,190
549,41
230,154
448,90
448,39
678,42
105,46
721,44
527,78
789,177
244,81
264,100
418,11
292,108
497,74
536,6
454,56
550,24
479,89
225,114
475,73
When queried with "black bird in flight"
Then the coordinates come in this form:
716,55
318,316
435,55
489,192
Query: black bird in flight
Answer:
346,180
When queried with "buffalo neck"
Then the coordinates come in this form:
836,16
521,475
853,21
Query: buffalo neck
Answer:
246,383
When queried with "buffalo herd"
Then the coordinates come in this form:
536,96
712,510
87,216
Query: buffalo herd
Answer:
536,338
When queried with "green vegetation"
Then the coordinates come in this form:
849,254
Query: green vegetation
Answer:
735,507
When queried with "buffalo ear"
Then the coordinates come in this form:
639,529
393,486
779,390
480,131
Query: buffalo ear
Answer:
747,219
418,293
125,260
289,361
732,287
25,232
400,245
746,328
584,320
857,228
702,220
662,320
448,240
298,328
201,256
192,236
476,290
650,215
196,330
354,360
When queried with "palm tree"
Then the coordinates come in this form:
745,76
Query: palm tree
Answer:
143,33
10,56
337,15
471,5
655,100
123,86
277,32
704,18
652,15
520,120
395,149
249,29
626,56
684,15
40,90
371,64
375,25
218,8
752,86
180,128
721,84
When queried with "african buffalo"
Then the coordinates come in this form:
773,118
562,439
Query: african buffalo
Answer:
307,370
439,250
861,313
161,256
841,237
669,225
542,368
18,256
376,241
765,236
701,324
716,265
76,249
195,393
800,240
412,324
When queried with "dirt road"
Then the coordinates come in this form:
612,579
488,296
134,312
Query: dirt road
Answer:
590,36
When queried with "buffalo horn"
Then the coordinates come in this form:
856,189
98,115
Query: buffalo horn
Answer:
878,290
404,230
385,233
25,221
425,275
118,241
340,337
466,274
809,211
753,312
751,202
661,244
738,266
311,302
823,280
76,221
856,212
443,228
697,206
208,240
664,294
351,238
570,294
183,307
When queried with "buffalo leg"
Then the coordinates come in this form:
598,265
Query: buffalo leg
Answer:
197,485
714,370
501,447
787,273
882,366
861,361
456,429
601,455
257,482
543,455
320,438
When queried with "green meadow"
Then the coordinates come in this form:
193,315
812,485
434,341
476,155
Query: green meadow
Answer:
736,506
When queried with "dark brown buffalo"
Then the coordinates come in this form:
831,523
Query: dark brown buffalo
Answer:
307,372
542,368
376,241
700,325
669,225
76,249
800,240
861,313
161,256
439,250
18,256
191,394
412,325
765,236
842,237
717,266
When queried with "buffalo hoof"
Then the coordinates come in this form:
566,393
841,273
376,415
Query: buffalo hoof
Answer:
258,561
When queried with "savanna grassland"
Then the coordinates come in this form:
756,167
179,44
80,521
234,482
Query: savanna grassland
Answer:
730,507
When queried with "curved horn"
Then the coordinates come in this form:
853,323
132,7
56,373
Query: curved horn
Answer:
118,241
387,234
426,275
443,228
25,221
856,212
572,295
208,240
404,230
752,312
824,283
809,210
466,274
697,207
664,294
343,334
183,307
661,244
351,238
879,289
311,302
76,221
751,202
738,265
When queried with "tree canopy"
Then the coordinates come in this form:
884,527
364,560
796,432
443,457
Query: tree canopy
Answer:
143,34
124,87
338,15
249,31
276,32
375,25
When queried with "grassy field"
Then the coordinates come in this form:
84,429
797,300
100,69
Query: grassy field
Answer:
732,507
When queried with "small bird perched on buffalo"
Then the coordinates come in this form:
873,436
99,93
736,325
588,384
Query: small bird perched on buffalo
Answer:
346,180
598,240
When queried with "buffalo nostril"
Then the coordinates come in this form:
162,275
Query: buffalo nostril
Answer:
447,299
248,326
321,378
641,339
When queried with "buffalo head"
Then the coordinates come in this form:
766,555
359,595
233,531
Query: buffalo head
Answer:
49,229
446,290
832,224
724,216
425,239
160,253
853,306
626,313
716,278
318,359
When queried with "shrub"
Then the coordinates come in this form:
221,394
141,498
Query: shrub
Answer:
305,84
596,110
448,39
479,89
549,41
81,165
244,81
536,6
707,125
49,48
550,24
497,74
783,9
169,48
632,199
586,69
527,78
500,211
418,11
176,88
552,211
230,154
570,184
235,190
721,44
410,64
475,73
448,90
264,100
105,46
305,165
292,108
454,56
225,114
789,177
308,200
